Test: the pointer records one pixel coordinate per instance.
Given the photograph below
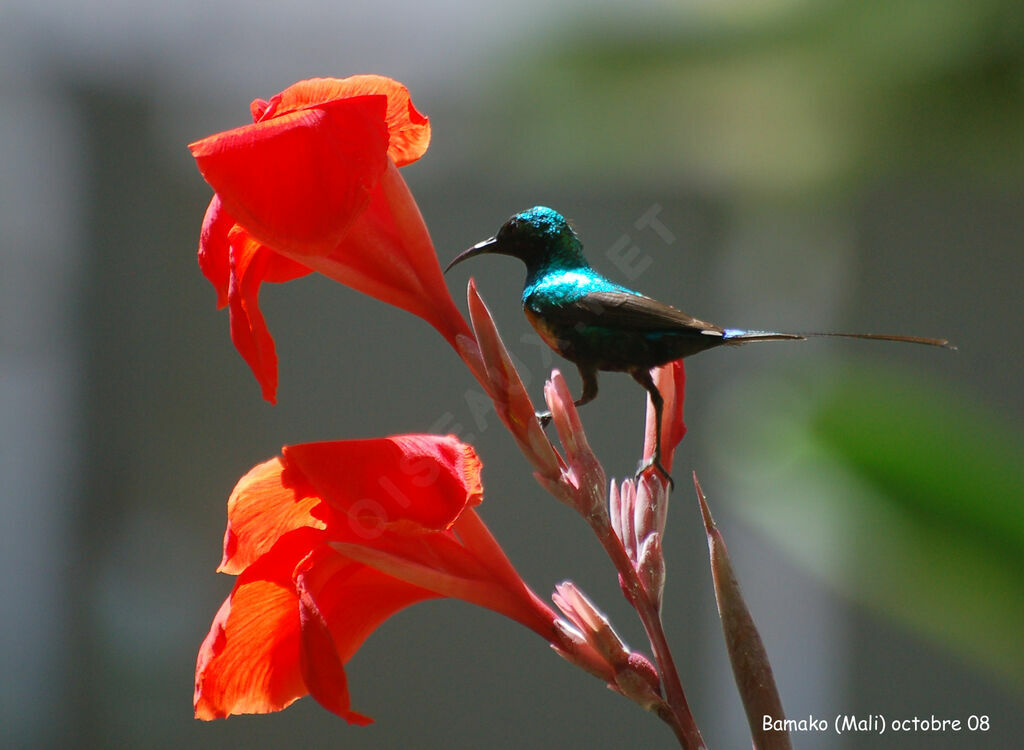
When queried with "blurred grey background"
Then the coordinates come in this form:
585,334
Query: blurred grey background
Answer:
786,164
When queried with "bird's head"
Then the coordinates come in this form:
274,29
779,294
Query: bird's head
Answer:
539,236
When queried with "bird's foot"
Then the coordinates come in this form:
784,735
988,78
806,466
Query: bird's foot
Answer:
654,462
544,417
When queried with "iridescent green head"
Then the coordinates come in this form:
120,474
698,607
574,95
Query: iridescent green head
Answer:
540,237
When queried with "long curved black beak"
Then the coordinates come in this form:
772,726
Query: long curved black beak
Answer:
486,246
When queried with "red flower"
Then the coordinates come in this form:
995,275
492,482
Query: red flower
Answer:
313,185
328,540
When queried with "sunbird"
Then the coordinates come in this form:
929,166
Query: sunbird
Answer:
599,325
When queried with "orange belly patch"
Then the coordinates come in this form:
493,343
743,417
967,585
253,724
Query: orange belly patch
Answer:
543,329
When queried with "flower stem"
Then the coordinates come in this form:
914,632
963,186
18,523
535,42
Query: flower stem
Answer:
678,717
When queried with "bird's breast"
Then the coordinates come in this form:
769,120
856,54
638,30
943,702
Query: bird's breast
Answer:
546,330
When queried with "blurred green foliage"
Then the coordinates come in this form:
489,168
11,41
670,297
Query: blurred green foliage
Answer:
773,95
897,492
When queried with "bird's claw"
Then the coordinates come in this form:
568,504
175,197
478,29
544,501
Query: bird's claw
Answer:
654,462
544,417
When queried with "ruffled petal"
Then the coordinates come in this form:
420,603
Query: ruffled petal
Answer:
264,506
407,483
249,661
408,130
298,180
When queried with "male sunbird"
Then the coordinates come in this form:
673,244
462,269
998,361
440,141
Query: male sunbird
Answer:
600,325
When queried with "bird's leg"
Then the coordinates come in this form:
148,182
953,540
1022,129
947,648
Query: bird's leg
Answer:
589,377
643,377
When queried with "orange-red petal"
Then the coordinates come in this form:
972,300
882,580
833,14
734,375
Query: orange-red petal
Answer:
296,182
388,254
250,265
249,661
379,258
671,382
264,506
228,258
322,668
357,603
451,571
219,234
215,249
406,483
346,601
249,332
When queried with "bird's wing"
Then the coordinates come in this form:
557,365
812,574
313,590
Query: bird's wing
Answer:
626,311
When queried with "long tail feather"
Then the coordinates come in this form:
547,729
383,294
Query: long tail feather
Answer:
889,337
734,336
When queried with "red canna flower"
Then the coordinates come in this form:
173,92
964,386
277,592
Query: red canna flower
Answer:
330,539
313,185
